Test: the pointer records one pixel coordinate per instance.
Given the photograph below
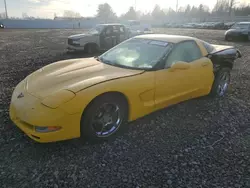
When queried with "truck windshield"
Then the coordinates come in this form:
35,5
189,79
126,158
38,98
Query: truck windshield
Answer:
96,30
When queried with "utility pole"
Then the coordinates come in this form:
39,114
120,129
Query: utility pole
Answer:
135,5
177,5
6,12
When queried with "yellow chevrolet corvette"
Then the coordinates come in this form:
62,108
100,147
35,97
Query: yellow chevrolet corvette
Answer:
95,97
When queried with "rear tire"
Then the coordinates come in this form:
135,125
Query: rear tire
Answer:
93,127
221,82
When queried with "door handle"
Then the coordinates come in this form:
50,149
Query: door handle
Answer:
204,64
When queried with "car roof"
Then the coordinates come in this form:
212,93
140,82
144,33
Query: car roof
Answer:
166,38
243,23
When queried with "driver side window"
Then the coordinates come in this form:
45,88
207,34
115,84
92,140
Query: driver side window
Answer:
185,51
108,31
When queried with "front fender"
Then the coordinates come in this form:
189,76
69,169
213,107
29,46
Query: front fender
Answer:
90,39
138,89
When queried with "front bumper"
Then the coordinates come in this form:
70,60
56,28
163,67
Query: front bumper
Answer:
28,112
75,48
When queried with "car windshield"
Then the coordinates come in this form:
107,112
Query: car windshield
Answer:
136,53
240,26
96,30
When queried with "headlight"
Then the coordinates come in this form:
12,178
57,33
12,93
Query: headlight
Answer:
58,98
47,129
76,41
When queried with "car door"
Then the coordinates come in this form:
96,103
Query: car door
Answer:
106,40
122,34
115,35
173,86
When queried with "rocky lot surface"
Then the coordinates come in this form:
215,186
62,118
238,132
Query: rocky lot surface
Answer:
203,143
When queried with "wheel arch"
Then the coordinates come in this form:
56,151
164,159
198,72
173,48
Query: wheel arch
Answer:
226,64
222,64
111,93
91,43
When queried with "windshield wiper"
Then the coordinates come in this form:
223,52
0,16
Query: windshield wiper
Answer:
98,58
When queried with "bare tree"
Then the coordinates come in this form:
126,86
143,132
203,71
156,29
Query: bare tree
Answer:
105,12
2,15
158,13
25,15
231,5
145,16
130,15
71,14
188,9
221,7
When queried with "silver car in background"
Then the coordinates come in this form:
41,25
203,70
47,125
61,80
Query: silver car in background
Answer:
240,30
2,26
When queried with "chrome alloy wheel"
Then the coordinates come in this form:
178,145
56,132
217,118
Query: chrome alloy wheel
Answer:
223,84
106,120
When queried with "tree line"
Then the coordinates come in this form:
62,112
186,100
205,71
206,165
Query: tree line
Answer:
221,8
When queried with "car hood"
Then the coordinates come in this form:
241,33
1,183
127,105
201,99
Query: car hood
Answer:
226,51
73,75
219,48
238,30
78,36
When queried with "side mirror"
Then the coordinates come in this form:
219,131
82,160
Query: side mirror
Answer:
181,65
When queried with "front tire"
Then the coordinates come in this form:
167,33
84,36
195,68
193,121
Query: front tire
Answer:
104,117
91,48
227,38
221,82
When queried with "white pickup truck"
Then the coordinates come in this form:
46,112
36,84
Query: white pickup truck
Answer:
101,37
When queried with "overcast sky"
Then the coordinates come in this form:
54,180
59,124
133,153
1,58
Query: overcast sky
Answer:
47,8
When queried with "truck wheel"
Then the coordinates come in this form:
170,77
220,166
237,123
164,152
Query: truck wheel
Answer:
91,48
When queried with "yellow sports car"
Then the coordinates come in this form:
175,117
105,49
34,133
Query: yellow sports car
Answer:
95,97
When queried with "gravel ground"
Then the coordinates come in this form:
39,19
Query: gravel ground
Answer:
199,143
